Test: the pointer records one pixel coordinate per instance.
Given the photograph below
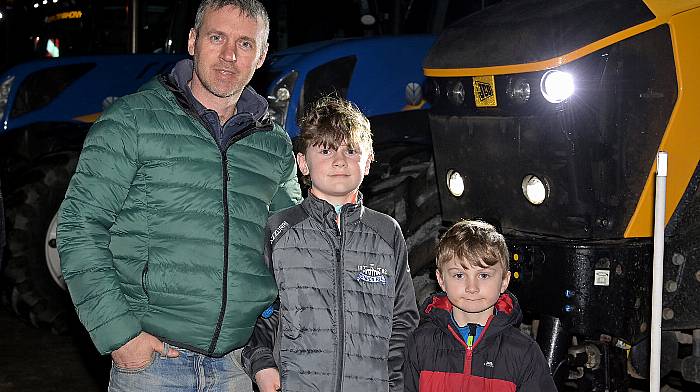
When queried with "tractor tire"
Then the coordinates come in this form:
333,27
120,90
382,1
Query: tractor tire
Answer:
405,188
31,285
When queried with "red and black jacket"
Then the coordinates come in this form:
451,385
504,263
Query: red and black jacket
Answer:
502,359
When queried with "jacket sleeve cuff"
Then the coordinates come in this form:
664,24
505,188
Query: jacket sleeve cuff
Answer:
115,333
257,360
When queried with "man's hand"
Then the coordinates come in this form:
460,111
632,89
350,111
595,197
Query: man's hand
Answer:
268,380
137,352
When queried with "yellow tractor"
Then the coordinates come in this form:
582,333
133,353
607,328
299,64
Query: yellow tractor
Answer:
546,120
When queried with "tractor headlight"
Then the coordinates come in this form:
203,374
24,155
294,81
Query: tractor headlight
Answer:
5,88
557,86
519,90
534,189
456,93
432,90
281,93
455,183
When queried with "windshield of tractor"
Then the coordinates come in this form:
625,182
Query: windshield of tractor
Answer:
518,32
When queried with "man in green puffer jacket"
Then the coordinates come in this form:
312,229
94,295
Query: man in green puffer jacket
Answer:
160,234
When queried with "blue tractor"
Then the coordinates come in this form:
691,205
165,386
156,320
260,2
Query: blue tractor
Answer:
383,76
47,106
46,109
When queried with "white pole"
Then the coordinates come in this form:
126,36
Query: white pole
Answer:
658,271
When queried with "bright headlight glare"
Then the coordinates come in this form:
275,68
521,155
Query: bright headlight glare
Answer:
5,88
556,86
534,189
455,183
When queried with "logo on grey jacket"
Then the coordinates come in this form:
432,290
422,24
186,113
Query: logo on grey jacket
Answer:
371,274
282,227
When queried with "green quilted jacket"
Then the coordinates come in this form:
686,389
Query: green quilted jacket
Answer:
161,230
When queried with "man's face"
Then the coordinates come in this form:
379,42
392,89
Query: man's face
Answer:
227,50
335,173
472,291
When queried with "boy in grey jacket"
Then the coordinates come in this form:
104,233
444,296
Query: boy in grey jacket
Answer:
346,301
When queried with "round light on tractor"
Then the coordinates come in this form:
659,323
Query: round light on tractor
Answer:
456,94
534,189
282,94
557,86
519,90
455,183
432,90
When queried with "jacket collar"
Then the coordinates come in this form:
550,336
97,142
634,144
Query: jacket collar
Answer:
249,102
438,310
172,83
323,211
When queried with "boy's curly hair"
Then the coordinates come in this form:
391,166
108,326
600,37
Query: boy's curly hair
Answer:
332,121
472,243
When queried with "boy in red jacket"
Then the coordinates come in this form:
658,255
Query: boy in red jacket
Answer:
468,339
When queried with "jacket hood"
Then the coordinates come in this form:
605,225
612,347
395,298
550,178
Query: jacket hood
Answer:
438,310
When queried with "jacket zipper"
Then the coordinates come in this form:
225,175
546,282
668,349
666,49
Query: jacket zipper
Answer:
225,178
467,370
469,350
340,307
182,102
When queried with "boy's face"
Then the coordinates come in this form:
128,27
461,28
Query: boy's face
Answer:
335,174
472,291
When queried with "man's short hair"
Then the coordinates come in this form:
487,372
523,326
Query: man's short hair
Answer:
332,120
473,244
250,8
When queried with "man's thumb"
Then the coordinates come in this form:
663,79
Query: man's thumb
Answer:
168,351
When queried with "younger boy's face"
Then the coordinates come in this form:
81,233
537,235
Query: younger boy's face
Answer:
336,174
473,291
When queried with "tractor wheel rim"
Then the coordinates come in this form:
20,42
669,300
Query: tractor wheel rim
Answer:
53,261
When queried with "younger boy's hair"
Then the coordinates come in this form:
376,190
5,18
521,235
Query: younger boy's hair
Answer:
472,243
332,120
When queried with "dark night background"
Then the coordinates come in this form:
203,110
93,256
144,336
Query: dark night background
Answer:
105,29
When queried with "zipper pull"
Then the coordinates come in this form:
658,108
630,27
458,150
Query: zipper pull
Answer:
472,335
225,166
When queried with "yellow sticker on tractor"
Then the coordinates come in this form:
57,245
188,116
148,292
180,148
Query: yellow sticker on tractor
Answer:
484,91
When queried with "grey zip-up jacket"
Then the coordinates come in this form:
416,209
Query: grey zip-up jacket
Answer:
346,301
